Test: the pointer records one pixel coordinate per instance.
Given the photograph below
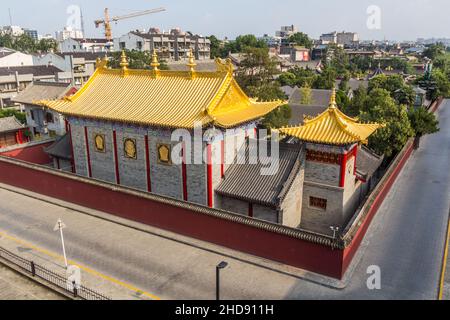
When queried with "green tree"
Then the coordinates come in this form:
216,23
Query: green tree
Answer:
381,107
136,60
326,80
216,47
423,122
301,39
306,95
434,51
256,75
10,112
398,89
47,45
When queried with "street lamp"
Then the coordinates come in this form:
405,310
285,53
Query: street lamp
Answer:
219,267
335,231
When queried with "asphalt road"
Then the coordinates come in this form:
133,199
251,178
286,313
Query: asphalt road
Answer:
406,241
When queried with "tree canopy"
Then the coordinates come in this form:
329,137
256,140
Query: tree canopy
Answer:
301,39
136,59
25,43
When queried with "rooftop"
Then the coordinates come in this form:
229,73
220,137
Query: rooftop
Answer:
10,124
34,70
42,90
171,99
245,181
332,127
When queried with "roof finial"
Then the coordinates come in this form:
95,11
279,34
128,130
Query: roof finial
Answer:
333,103
191,64
155,64
124,61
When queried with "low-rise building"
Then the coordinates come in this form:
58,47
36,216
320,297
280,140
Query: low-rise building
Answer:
43,122
72,45
12,132
15,79
171,46
13,58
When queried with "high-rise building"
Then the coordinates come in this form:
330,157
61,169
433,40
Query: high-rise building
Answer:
31,33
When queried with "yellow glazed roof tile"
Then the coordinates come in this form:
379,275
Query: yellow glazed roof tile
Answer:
163,98
333,127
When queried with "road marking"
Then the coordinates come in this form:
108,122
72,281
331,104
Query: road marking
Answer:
87,269
444,264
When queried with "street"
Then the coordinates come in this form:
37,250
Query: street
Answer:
406,240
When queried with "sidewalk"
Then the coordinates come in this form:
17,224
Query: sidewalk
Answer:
14,286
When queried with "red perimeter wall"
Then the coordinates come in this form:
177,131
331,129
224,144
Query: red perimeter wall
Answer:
241,237
33,154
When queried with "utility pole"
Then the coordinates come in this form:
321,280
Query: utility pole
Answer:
10,17
60,226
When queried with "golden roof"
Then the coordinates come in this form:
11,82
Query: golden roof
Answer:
171,99
333,127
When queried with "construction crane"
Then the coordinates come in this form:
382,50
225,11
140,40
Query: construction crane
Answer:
107,20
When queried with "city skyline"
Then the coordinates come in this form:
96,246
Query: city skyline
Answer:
399,21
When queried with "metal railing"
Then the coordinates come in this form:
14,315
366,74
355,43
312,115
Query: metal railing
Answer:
56,279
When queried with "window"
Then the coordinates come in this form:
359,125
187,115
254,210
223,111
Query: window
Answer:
129,147
32,114
318,203
139,45
49,117
122,45
164,154
99,141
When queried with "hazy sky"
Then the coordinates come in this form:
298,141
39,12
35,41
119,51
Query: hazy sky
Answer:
400,19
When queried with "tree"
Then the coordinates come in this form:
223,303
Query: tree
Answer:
434,50
326,80
306,95
380,107
301,39
278,118
47,45
357,104
398,89
136,60
255,75
423,122
216,47
10,112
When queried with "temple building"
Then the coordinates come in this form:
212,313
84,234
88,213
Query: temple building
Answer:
121,125
337,168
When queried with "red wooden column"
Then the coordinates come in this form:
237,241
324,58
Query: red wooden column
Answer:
147,164
116,157
344,158
355,154
184,174
209,175
88,153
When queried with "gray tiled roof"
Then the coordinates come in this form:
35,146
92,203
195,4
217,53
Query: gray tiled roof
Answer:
61,148
245,181
42,91
367,162
320,99
202,65
10,124
34,70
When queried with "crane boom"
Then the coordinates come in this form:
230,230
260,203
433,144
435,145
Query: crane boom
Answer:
107,20
138,14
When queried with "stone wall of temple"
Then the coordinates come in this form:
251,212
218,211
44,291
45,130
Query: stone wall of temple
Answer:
317,219
291,207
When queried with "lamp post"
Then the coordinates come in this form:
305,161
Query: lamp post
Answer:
335,231
219,267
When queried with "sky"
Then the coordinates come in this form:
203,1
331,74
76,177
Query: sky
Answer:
392,19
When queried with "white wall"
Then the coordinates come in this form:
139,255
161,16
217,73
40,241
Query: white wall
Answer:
16,59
